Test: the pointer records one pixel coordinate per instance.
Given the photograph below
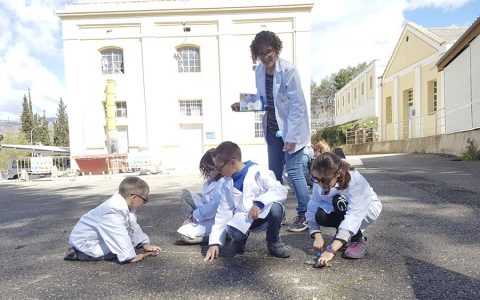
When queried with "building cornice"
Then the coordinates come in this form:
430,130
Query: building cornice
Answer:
159,8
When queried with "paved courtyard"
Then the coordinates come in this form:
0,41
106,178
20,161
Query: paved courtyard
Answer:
425,244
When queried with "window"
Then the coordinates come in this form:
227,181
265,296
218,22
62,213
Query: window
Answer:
355,93
363,89
188,59
191,108
258,124
370,82
410,98
112,61
432,96
121,111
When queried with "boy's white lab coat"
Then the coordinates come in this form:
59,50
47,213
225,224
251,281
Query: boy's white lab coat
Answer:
290,106
259,185
110,227
363,206
207,205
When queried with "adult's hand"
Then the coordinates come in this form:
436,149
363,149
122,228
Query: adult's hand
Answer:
289,146
235,106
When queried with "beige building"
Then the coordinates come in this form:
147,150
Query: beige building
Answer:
461,66
358,99
411,88
174,68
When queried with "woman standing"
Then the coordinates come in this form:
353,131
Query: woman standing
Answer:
285,124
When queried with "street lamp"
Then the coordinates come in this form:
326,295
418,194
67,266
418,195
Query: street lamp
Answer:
31,133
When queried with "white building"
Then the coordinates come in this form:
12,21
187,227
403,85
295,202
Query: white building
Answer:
178,66
461,66
359,98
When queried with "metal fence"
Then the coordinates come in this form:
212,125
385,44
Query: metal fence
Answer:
362,135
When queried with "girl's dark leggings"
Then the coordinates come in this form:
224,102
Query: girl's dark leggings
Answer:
334,218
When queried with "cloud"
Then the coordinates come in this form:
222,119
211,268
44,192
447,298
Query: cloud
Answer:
446,5
348,32
30,40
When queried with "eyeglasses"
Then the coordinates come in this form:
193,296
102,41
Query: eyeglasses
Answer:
145,200
267,52
324,180
220,169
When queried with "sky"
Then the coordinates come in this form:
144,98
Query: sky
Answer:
343,33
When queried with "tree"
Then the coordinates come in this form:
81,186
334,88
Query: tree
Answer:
323,95
26,117
41,133
60,127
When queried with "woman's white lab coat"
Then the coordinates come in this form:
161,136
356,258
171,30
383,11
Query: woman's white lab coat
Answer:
259,185
204,214
110,227
290,107
363,206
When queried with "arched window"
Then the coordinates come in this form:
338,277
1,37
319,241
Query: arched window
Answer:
188,59
112,61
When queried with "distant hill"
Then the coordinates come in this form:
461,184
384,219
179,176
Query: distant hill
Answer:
4,124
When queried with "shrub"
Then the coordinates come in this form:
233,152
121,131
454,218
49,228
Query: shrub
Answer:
471,152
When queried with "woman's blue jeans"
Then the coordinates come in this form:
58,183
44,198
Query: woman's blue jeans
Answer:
294,165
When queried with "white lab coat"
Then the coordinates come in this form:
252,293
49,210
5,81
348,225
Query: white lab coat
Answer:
110,227
290,106
204,215
363,206
259,185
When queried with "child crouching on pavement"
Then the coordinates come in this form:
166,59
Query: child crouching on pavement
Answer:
252,201
110,230
200,210
342,198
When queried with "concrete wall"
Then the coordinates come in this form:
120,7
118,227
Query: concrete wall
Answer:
453,144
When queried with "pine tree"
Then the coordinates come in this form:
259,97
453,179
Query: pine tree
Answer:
60,127
42,134
26,117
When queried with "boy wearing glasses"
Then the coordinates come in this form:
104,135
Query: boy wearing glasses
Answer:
252,201
110,230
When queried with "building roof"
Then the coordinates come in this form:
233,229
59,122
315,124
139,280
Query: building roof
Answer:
449,34
437,36
471,33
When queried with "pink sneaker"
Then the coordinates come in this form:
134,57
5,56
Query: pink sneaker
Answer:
356,250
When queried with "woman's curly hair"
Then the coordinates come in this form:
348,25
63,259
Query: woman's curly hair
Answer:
262,39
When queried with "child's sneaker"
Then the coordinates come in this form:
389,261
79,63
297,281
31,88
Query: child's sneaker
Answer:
195,240
71,255
278,249
299,224
356,250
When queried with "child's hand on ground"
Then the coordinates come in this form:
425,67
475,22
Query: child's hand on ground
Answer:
254,212
325,258
151,248
139,257
212,253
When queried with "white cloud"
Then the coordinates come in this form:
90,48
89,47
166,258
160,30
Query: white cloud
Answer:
348,32
446,5
30,40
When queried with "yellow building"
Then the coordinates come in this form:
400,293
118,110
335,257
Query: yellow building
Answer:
411,88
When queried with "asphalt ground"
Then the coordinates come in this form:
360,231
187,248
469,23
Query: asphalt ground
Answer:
425,244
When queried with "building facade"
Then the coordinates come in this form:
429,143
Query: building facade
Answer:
173,69
412,96
358,99
461,66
